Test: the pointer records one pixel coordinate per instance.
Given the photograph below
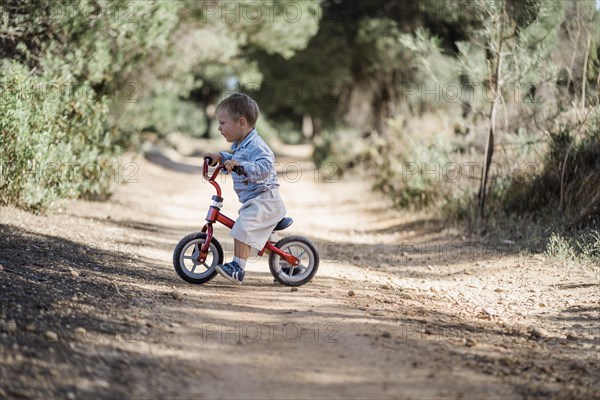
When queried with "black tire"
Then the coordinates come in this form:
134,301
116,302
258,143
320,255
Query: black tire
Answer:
190,244
287,274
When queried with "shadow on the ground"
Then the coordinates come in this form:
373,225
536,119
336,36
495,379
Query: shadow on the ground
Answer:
50,284
406,257
434,336
420,227
111,360
163,230
48,258
564,286
164,161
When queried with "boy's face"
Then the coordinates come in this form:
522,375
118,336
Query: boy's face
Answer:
233,131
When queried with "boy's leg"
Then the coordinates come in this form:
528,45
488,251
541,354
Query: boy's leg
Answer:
257,218
234,271
241,252
241,249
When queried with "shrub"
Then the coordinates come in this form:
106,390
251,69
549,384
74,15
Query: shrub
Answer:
567,184
585,248
162,114
54,142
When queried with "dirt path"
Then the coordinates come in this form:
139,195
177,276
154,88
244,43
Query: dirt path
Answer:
400,308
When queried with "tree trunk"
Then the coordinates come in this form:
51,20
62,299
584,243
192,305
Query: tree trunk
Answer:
584,78
489,151
206,134
209,114
574,56
489,148
316,123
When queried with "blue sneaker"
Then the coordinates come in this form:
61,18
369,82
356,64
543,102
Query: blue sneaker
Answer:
231,271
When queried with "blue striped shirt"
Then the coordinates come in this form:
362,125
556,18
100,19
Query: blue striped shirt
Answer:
259,163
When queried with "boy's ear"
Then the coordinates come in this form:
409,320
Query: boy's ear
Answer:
243,121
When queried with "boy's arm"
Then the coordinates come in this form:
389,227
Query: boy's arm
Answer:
259,169
225,156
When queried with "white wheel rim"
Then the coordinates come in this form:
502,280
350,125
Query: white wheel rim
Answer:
189,263
305,256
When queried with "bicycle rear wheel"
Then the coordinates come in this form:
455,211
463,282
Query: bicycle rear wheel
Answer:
288,274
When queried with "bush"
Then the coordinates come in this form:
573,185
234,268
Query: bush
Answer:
585,248
417,163
54,142
162,114
343,149
61,64
567,184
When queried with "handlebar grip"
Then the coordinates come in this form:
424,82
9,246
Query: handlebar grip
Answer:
238,169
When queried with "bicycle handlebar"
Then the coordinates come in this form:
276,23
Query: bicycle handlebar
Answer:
238,169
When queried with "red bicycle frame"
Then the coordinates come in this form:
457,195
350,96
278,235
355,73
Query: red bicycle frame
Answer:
214,215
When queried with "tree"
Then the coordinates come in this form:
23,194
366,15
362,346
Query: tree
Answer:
63,64
225,35
515,36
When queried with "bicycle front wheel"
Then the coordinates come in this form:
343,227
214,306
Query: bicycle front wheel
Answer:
185,258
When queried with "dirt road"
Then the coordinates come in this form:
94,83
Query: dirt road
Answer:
401,307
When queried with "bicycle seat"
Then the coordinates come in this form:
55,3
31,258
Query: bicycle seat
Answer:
283,224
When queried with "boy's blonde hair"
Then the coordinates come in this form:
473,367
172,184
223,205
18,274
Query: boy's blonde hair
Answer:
240,105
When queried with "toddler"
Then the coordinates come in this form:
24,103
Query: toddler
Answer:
262,207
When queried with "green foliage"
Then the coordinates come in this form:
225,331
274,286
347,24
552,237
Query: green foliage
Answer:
568,250
63,64
351,72
567,182
379,39
100,42
164,114
310,82
266,129
342,148
119,68
408,177
210,56
523,33
214,38
123,67
287,30
53,143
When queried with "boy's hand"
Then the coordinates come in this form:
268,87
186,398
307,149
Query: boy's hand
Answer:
229,164
215,158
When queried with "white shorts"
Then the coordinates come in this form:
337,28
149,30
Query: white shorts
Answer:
257,218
